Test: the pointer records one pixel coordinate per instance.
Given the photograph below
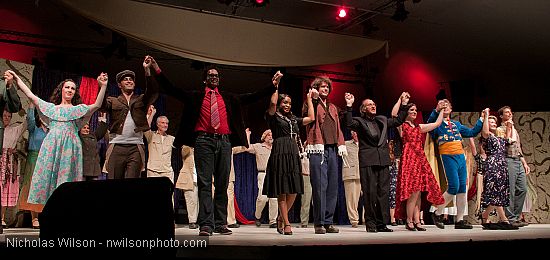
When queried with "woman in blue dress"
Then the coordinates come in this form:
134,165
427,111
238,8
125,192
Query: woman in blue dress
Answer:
60,157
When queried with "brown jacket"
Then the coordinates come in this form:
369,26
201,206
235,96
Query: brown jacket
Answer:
90,156
118,107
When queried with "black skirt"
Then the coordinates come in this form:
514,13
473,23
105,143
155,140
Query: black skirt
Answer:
284,169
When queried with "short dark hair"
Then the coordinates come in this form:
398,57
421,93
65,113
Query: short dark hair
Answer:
501,110
207,68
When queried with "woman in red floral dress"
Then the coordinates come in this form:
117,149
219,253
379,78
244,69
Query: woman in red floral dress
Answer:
415,175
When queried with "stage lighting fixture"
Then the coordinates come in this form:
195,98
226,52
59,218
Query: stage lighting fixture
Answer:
342,12
260,3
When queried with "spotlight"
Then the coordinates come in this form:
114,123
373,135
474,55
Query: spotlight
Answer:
259,3
342,12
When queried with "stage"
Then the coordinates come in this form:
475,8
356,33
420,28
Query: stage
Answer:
251,242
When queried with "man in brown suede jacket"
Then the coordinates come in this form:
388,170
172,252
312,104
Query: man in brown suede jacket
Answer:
125,156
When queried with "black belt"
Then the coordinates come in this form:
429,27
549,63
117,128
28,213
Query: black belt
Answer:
213,135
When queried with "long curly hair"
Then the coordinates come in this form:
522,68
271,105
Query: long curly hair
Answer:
57,94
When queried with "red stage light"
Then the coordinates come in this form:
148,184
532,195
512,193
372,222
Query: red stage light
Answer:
259,2
342,13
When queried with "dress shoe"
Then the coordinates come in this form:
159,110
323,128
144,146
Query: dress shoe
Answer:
438,221
4,224
463,224
519,224
287,230
331,229
303,226
354,225
394,223
258,222
320,230
235,225
384,229
418,227
371,229
410,226
205,231
274,225
222,230
505,226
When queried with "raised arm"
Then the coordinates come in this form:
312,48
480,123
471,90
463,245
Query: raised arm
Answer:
102,126
249,98
150,114
151,85
310,112
485,132
402,103
13,102
165,85
436,111
26,90
102,83
348,117
471,132
275,96
424,128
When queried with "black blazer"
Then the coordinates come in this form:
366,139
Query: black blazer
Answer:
373,151
192,101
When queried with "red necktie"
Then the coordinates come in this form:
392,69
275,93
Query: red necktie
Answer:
214,113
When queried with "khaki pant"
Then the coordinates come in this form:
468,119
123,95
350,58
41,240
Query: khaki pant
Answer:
191,200
231,203
353,191
306,201
169,175
261,200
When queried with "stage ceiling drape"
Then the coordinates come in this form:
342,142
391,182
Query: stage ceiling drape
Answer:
222,39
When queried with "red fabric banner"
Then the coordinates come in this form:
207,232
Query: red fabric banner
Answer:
88,90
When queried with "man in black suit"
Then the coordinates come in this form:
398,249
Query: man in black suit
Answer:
9,100
374,157
212,122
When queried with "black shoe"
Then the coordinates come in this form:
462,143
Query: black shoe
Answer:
331,229
258,222
505,226
463,224
222,230
438,221
274,225
413,228
193,226
205,231
371,229
418,227
384,229
394,223
519,224
236,225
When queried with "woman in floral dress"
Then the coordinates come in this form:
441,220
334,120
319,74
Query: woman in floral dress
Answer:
60,156
496,189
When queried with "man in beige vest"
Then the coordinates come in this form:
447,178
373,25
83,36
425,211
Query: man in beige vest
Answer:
160,146
262,151
187,181
350,176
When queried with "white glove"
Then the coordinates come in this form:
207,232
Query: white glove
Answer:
342,151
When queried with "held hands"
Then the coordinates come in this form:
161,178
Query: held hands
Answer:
342,151
405,96
314,93
102,79
310,94
485,113
102,117
247,131
349,99
277,78
440,106
147,62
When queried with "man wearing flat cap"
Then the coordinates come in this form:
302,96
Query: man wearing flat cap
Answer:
125,155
